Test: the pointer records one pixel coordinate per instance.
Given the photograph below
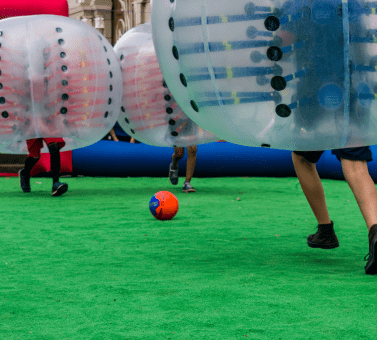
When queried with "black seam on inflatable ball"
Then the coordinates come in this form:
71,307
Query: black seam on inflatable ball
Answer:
64,68
106,114
111,88
194,106
283,110
278,83
110,100
59,30
265,145
171,24
174,133
171,121
169,110
126,120
61,42
63,110
99,37
167,98
5,114
183,79
274,53
123,109
132,131
272,23
164,84
111,74
65,96
104,47
108,61
175,52
63,55
2,100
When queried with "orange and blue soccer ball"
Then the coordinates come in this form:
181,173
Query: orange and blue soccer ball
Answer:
163,205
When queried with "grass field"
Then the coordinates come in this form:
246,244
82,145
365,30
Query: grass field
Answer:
95,264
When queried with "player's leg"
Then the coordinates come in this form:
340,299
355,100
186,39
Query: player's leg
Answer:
173,167
313,189
190,168
34,147
358,178
54,147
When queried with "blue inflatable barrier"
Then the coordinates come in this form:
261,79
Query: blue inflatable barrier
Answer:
121,159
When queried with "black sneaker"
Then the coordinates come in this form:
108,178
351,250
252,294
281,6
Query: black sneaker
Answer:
188,188
173,175
371,266
24,182
324,238
59,189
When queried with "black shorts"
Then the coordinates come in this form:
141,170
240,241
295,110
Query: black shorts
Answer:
355,154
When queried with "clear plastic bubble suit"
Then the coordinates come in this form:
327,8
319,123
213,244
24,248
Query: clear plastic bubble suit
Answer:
149,112
294,75
59,78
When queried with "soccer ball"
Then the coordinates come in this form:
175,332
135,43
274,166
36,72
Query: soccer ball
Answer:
163,205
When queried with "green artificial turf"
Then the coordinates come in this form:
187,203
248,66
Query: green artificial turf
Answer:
95,264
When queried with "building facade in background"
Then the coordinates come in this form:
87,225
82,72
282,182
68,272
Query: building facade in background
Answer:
111,17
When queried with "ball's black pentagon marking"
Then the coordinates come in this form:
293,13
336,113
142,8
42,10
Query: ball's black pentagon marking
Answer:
2,100
171,121
132,131
109,101
65,96
164,84
106,114
171,24
278,83
183,79
65,82
123,109
194,106
169,110
283,110
167,98
59,30
251,32
61,41
63,55
111,74
274,53
63,110
126,120
272,23
5,114
249,8
175,52
64,68
276,96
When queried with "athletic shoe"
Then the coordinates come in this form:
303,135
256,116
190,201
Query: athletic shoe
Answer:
188,188
59,189
24,183
324,238
371,266
173,175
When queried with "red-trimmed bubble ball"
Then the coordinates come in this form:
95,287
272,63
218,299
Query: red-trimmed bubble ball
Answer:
163,205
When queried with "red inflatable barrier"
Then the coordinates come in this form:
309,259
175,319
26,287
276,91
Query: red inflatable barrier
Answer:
12,8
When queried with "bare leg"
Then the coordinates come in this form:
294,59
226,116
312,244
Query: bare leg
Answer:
357,176
191,162
312,187
177,156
